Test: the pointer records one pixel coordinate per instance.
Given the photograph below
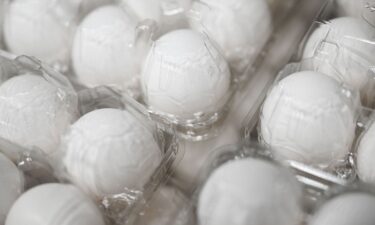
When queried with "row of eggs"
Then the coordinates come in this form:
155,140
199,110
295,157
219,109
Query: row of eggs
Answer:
182,73
255,190
66,204
308,116
104,152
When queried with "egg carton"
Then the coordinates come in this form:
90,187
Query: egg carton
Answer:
41,165
200,124
319,178
312,191
207,200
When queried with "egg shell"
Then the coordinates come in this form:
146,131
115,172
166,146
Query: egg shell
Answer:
245,191
347,48
308,117
366,156
40,28
196,155
50,204
109,151
35,112
164,207
347,209
184,74
11,185
240,27
102,50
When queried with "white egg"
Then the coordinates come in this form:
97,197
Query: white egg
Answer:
184,74
250,192
308,117
102,52
169,15
35,112
11,185
366,156
164,207
40,28
347,209
196,155
108,151
347,48
50,204
240,27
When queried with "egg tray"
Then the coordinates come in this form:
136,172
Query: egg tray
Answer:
40,168
229,153
316,180
201,126
205,126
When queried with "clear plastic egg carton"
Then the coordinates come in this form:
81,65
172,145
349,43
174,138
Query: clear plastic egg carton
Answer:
241,184
42,134
44,29
304,121
109,45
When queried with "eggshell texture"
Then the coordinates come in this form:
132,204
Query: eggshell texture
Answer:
11,185
164,207
102,52
366,156
40,28
240,27
244,192
108,151
34,112
307,117
347,209
347,47
184,74
51,204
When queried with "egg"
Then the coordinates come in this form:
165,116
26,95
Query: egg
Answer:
347,48
11,185
346,209
250,192
35,112
309,117
40,28
365,156
50,204
103,51
196,155
240,27
109,151
164,207
169,15
185,75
